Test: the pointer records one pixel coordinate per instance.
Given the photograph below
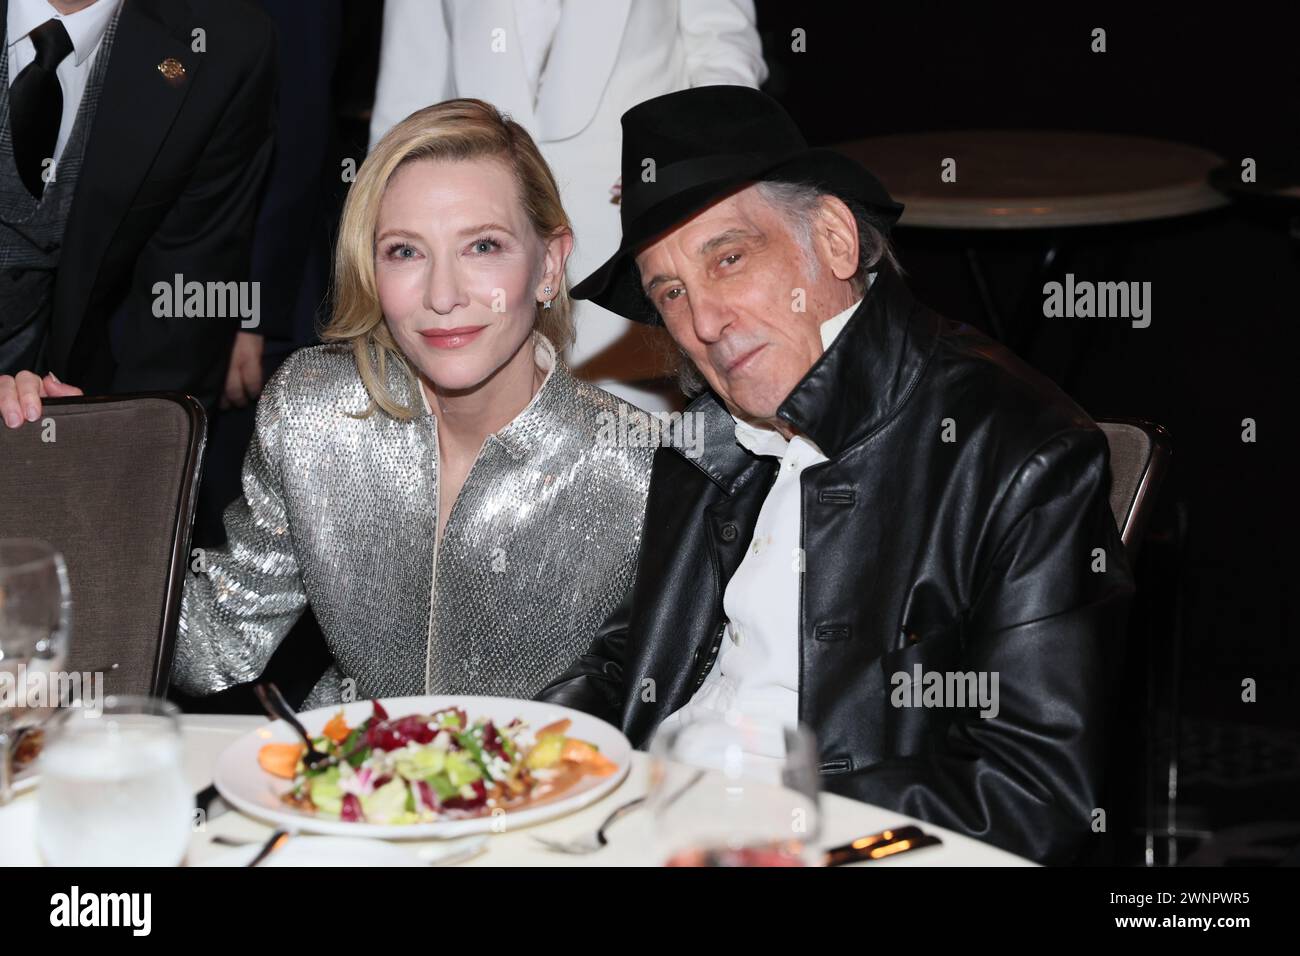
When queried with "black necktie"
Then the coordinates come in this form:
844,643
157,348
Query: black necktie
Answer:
36,105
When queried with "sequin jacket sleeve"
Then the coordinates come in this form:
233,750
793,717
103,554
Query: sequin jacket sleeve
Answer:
249,593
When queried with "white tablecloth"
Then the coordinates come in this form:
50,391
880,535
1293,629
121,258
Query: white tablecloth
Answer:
206,735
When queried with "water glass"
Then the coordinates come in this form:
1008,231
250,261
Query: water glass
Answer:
113,790
730,790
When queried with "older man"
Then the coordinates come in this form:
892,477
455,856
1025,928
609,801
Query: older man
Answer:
886,507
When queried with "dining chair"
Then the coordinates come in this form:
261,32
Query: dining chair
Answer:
1139,458
111,483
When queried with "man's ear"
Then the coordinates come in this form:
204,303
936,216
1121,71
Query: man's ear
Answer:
835,236
558,248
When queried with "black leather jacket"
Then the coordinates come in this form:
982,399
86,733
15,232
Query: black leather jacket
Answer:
980,553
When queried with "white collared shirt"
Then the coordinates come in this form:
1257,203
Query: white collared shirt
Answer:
757,668
86,29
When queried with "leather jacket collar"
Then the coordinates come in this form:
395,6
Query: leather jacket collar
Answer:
857,385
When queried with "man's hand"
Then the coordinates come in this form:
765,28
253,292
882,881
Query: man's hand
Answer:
244,377
21,394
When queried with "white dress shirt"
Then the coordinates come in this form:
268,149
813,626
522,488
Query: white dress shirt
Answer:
86,29
535,23
756,672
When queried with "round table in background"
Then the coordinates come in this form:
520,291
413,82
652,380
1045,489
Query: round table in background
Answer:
1033,179
1051,180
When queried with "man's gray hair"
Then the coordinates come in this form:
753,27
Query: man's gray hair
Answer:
799,204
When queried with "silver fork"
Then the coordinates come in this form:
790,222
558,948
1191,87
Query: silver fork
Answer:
591,842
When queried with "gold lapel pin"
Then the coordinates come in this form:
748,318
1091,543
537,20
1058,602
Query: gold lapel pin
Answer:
172,70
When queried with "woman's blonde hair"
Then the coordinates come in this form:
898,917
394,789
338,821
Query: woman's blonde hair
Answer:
464,129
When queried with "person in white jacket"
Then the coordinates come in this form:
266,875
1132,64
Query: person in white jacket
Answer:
566,70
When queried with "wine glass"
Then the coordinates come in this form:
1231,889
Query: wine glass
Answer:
113,789
35,609
732,790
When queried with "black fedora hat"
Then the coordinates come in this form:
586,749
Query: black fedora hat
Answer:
684,151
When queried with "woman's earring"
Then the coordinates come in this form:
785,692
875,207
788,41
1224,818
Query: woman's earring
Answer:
547,292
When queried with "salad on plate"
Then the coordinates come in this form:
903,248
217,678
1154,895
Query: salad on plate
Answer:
421,768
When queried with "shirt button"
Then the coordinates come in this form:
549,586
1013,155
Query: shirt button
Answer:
729,532
735,635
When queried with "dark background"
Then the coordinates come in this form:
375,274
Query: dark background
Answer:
1225,284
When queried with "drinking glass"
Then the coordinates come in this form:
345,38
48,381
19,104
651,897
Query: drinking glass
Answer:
113,790
34,619
730,790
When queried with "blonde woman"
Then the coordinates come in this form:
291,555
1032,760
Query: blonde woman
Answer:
432,480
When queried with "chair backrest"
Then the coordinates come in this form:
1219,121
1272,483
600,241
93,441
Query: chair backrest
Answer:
111,482
1139,458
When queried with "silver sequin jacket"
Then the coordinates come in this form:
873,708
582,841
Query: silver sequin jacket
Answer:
342,512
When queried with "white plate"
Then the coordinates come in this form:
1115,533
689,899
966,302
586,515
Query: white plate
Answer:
247,787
